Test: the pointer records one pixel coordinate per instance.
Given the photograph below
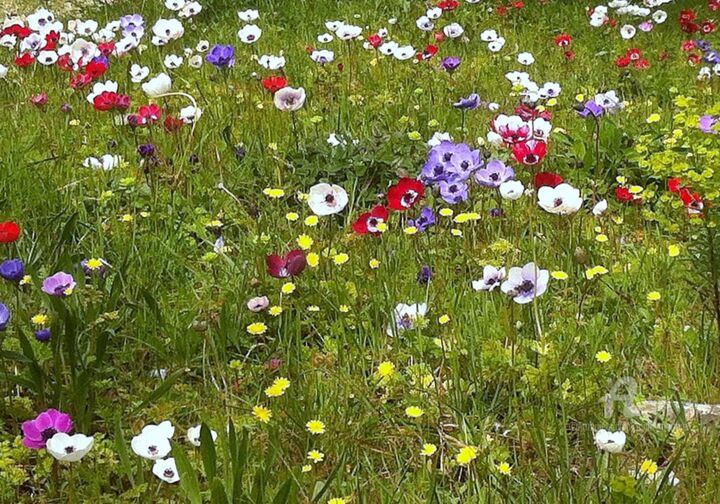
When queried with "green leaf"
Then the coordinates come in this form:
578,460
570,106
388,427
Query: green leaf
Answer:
330,479
282,496
161,390
188,477
122,451
207,451
217,491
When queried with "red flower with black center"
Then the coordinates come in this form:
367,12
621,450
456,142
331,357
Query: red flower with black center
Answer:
149,114
569,55
106,48
95,69
375,40
624,195
642,64
547,179
283,267
694,59
688,45
692,201
274,83
80,81
405,194
64,63
690,27
687,15
714,5
622,62
634,54
9,232
708,27
369,221
529,152
25,60
428,52
448,5
563,40
107,100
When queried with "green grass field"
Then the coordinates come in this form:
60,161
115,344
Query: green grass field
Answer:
313,399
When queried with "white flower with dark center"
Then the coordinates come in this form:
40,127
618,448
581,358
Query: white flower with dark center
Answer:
325,38
195,61
323,56
627,31
249,34
561,200
193,435
174,5
512,190
289,99
424,23
611,442
600,208
3,71
348,32
151,446
453,30
525,58
166,470
66,448
138,73
173,61
272,62
202,46
333,26
405,317
47,57
659,16
497,45
190,114
489,36
434,13
248,15
191,9
492,278
327,199
403,53
388,48
165,30
82,51
550,90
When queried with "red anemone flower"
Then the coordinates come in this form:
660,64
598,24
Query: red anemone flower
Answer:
692,201
405,194
448,5
95,69
274,83
569,55
149,114
80,81
547,179
563,40
622,62
529,152
291,265
674,185
375,40
9,232
624,195
708,27
369,221
172,124
25,60
107,100
65,63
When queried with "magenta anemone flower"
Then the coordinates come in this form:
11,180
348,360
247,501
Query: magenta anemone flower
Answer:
48,423
291,265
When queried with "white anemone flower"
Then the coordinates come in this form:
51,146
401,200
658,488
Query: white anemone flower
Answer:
249,34
327,199
561,200
611,442
159,85
166,470
289,99
193,435
67,448
405,317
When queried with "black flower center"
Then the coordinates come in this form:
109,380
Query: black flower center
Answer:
48,433
526,286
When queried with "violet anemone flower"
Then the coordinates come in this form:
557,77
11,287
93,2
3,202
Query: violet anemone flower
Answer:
453,192
12,270
451,63
4,316
495,173
60,284
590,108
526,283
426,220
470,103
708,123
424,275
222,56
37,432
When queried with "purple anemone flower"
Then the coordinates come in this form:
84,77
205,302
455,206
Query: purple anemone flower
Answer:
426,220
451,63
590,108
464,162
424,275
526,283
4,316
495,173
221,56
12,270
48,423
707,124
43,335
60,284
453,192
470,103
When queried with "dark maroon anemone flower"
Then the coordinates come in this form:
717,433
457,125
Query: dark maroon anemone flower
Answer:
291,265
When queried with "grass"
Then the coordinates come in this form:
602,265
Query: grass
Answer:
518,382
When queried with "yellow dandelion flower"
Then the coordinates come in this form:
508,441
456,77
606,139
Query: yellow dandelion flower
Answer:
39,320
382,227
446,212
313,259
580,97
444,319
559,275
673,251
292,216
304,241
337,500
386,369
262,413
635,189
374,264
94,263
653,296
287,288
315,427
456,232
594,271
410,230
27,279
466,455
127,218
648,467
273,193
603,356
316,456
306,468
653,118
466,217
602,238
257,328
341,258
311,220
428,450
414,411
504,468
344,308
275,310
278,387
